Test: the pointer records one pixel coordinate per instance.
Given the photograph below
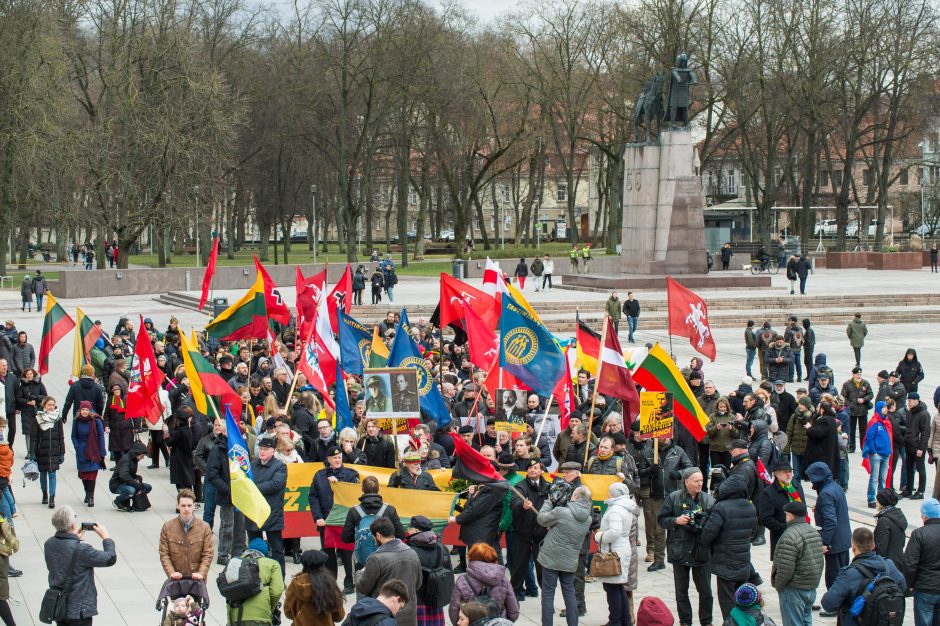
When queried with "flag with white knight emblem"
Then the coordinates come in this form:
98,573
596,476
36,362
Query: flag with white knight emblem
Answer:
688,317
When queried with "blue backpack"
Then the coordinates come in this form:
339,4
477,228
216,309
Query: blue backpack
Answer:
365,541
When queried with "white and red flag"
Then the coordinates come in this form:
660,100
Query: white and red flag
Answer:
143,398
688,317
613,376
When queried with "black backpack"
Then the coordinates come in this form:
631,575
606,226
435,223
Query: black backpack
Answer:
247,585
488,602
438,585
882,597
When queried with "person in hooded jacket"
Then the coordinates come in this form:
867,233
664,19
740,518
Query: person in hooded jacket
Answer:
29,394
822,439
383,610
370,503
796,435
433,555
125,482
820,366
567,528
522,272
728,532
877,451
313,598
614,536
259,608
47,448
890,527
916,440
85,388
910,370
485,576
832,516
320,501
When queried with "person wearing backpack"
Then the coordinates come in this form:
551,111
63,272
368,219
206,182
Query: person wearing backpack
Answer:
392,559
259,572
485,582
370,504
922,565
852,582
437,573
320,499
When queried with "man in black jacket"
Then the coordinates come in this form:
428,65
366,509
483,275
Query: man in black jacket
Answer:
631,308
320,501
922,563
683,515
728,532
916,440
270,476
858,396
527,534
787,405
85,388
479,520
742,466
772,499
232,522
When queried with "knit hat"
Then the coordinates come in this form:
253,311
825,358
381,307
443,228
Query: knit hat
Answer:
913,396
84,404
747,596
258,544
930,508
689,471
654,612
887,497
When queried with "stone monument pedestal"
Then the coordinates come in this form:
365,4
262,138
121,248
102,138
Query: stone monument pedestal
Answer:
663,208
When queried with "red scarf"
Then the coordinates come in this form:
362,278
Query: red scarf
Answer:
793,495
888,427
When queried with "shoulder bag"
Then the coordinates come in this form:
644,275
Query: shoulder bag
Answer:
55,603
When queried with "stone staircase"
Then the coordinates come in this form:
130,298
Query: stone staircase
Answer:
724,312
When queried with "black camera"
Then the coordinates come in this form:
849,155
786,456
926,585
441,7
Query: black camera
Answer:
89,526
717,476
697,519
560,493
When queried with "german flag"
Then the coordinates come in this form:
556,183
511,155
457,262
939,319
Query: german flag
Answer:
205,381
87,334
246,319
55,326
588,347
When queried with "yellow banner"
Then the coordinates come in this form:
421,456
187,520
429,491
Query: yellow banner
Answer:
656,414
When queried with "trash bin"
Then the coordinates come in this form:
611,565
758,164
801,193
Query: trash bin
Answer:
218,305
458,271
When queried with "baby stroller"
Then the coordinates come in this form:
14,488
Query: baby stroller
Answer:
174,589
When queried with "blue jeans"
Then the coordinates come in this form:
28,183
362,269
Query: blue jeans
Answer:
550,578
879,472
125,493
796,606
926,609
844,473
631,326
208,504
7,506
751,354
39,301
43,478
796,460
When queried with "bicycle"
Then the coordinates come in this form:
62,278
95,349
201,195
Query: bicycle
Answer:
767,265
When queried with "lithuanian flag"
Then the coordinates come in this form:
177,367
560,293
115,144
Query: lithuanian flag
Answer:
246,319
55,325
658,372
87,334
205,381
378,352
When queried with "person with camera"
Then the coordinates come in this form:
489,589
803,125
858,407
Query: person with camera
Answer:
567,516
71,564
773,498
728,532
683,516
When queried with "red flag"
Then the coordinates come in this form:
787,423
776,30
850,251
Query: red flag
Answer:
762,472
497,378
483,343
143,399
471,465
564,394
309,365
210,272
309,292
273,301
866,462
688,317
456,294
341,295
613,376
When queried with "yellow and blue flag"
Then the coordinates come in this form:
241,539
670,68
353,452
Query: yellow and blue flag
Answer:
404,353
245,494
354,342
527,350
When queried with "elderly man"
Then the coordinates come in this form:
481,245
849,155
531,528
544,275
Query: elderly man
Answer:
410,475
320,502
186,542
270,476
773,498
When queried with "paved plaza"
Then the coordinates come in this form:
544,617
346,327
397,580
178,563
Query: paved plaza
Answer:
127,591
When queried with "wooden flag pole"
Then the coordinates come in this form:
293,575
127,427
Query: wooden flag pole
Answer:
395,442
545,416
600,364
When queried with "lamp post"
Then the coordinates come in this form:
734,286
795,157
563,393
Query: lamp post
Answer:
313,202
198,257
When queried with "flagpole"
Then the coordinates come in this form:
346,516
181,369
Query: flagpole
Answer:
672,355
544,417
600,364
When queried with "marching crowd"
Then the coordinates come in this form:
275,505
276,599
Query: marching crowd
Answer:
704,503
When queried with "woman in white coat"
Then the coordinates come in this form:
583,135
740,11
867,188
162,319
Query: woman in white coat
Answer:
614,536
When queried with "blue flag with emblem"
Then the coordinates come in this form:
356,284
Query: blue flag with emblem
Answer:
404,353
246,496
354,342
527,350
343,412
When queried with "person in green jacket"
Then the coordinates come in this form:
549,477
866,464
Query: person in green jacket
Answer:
798,565
856,330
258,609
614,310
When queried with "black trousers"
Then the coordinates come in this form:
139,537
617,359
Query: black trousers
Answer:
726,589
11,424
702,578
834,563
857,423
858,356
523,549
158,447
916,463
579,575
808,360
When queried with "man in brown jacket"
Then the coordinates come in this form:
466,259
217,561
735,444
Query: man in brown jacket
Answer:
186,542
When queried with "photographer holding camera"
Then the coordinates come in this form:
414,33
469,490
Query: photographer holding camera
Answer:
683,516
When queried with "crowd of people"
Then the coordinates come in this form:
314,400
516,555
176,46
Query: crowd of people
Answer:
704,503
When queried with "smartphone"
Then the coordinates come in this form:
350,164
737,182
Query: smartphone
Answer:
89,526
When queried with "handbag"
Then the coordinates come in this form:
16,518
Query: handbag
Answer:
606,565
55,602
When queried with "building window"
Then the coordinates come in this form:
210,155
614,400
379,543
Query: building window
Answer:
412,197
903,177
824,178
837,178
505,189
561,192
866,177
732,182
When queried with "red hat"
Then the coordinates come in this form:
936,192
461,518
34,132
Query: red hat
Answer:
654,612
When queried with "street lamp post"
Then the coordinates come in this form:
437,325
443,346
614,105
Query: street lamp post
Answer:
198,258
313,202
